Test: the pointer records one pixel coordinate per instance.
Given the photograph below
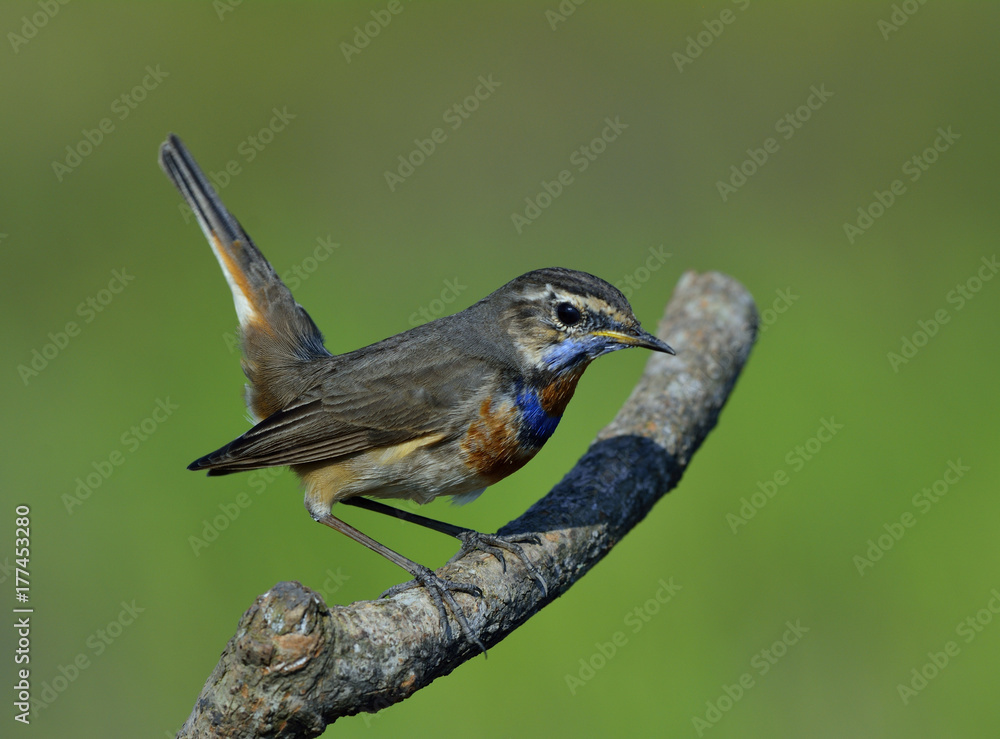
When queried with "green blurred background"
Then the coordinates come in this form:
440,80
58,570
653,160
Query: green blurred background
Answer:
834,309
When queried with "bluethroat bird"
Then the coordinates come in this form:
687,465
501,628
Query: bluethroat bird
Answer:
446,408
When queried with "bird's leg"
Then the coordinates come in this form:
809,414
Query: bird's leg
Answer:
440,589
494,544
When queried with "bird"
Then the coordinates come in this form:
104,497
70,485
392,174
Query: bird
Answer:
447,408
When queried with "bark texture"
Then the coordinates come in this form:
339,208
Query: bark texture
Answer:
296,665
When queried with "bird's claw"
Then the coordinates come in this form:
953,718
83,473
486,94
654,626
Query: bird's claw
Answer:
496,544
441,591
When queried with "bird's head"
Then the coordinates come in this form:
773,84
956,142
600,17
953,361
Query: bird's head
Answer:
561,320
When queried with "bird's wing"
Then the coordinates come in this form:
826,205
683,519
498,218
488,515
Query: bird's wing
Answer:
364,404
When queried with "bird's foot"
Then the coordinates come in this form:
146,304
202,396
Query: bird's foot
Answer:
496,544
441,591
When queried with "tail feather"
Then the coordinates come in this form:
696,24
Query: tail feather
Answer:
278,335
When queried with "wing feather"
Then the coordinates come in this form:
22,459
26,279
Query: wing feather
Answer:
362,404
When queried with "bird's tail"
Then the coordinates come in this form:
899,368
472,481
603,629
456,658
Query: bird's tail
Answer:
280,340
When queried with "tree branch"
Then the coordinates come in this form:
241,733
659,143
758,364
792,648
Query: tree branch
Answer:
296,665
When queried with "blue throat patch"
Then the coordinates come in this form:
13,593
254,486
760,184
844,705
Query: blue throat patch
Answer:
536,425
570,352
566,353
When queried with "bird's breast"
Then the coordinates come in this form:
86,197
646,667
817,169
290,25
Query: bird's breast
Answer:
542,407
511,428
491,447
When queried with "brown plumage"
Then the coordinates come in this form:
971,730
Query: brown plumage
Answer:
446,408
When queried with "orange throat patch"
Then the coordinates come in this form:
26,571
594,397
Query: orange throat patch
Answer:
556,395
491,446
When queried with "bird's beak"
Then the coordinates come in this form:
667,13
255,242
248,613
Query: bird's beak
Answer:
637,337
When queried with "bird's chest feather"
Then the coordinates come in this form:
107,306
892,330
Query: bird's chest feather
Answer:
511,428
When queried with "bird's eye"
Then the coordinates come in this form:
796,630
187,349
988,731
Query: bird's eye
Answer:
568,314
